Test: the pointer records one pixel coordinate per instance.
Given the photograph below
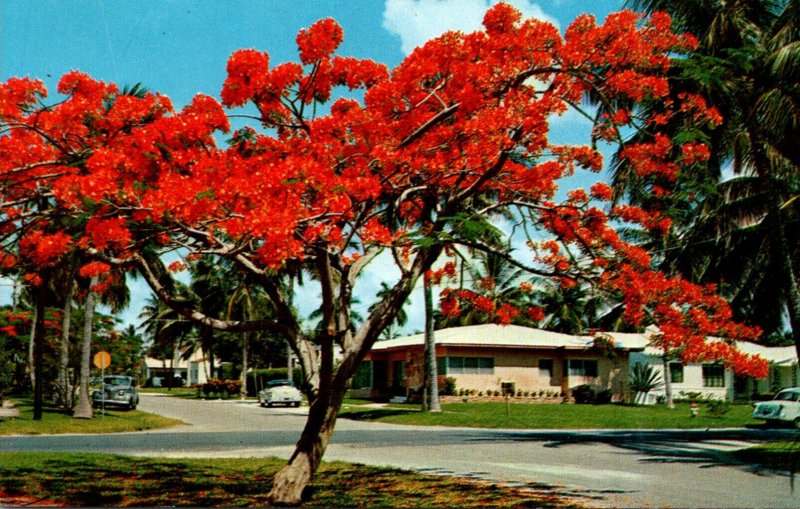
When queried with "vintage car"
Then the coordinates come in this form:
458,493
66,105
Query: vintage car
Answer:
280,392
117,391
784,407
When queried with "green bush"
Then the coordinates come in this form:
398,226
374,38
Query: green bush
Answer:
588,394
718,407
644,378
447,386
219,387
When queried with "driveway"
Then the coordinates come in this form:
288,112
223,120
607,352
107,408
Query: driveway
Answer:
601,468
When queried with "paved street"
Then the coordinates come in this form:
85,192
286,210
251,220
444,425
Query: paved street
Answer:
601,468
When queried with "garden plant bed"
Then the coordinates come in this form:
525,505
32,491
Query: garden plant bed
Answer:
499,399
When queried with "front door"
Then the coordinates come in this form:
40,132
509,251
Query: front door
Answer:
380,374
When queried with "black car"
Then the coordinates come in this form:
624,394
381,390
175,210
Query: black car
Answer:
117,391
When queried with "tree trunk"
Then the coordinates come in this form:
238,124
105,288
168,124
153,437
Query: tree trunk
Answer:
668,383
290,482
83,410
32,349
790,278
37,338
430,399
777,227
65,392
171,376
289,362
243,376
207,342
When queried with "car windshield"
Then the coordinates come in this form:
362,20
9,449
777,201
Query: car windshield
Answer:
787,396
280,383
116,380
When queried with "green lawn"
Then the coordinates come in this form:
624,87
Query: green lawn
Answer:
783,455
55,421
98,480
554,416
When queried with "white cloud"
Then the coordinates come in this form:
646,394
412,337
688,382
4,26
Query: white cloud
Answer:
417,21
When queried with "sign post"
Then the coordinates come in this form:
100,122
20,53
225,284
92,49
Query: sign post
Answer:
102,360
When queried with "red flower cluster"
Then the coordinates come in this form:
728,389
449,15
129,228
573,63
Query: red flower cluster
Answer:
459,124
45,249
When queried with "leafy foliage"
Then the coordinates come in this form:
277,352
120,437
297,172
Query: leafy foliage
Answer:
644,378
457,133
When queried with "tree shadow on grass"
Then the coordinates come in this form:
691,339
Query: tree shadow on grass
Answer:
375,414
138,483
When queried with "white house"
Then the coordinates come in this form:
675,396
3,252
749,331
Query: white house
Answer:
192,370
490,357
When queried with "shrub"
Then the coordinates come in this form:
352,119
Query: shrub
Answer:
220,387
644,378
689,396
447,386
232,387
591,394
718,407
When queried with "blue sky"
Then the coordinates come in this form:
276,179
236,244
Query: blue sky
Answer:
180,47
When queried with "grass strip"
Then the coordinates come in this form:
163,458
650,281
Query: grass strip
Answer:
555,416
781,455
101,480
56,421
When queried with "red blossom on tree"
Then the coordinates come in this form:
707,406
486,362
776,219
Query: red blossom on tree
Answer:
463,121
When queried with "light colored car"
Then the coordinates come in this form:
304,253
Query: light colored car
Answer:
116,391
280,392
784,407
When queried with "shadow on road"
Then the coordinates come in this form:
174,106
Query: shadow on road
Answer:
707,447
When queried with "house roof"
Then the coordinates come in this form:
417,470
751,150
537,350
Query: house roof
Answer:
506,336
510,336
776,354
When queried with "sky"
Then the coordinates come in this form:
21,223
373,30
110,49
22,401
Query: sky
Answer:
180,48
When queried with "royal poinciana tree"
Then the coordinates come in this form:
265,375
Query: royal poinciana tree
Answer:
328,184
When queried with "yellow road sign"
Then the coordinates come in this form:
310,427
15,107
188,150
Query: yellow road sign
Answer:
102,359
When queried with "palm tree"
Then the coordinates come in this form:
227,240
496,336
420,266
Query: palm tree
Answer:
400,320
165,328
737,232
571,310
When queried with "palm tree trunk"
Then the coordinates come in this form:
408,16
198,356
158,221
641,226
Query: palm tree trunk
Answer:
37,341
83,410
789,275
430,399
65,392
668,383
778,231
243,376
207,343
32,349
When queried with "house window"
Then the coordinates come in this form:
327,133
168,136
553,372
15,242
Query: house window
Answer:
713,375
546,367
470,365
363,377
676,372
398,374
583,367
